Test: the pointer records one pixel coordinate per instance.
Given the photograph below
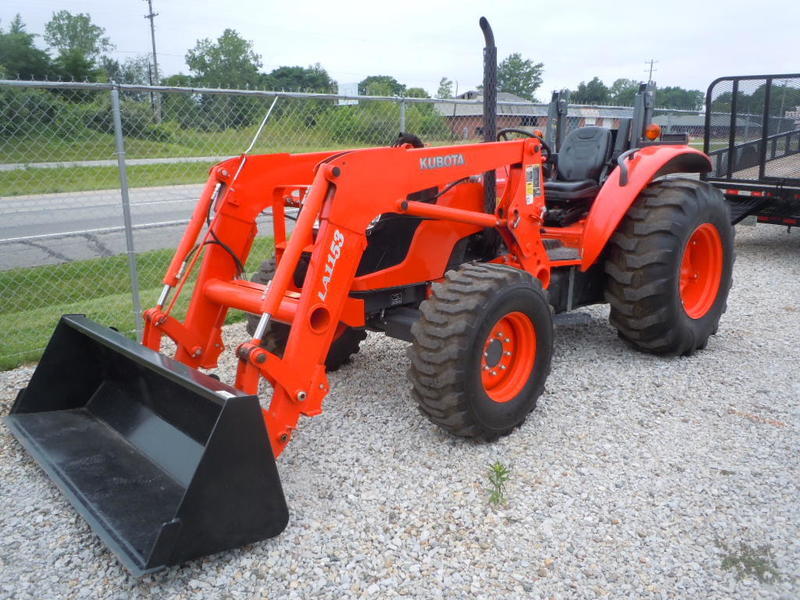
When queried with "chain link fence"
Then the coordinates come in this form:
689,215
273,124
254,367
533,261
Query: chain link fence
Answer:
76,157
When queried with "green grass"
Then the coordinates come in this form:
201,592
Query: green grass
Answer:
85,145
93,145
78,179
751,562
100,146
711,147
73,141
499,475
32,180
32,300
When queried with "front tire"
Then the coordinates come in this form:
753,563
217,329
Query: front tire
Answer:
481,350
669,267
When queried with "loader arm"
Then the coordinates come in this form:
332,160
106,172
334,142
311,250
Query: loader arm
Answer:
344,192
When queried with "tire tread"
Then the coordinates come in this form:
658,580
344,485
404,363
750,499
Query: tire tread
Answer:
641,257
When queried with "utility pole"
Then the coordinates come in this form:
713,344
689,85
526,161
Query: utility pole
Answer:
151,16
150,82
650,62
783,101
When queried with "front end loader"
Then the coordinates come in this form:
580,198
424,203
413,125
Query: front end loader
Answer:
463,251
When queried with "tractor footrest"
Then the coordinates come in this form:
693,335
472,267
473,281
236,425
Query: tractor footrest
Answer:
561,213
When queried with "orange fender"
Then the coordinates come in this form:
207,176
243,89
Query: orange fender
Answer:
614,199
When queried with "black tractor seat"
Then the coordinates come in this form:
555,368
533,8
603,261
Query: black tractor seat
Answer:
571,190
581,162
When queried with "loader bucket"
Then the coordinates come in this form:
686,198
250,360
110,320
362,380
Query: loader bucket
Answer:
165,463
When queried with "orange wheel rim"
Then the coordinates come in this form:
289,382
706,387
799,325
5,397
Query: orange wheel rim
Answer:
509,353
701,271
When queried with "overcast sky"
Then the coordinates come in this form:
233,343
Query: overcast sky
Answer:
418,42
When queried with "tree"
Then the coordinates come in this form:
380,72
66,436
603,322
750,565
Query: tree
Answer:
75,65
79,43
228,62
380,85
19,58
134,71
306,79
677,97
185,109
519,76
783,98
594,92
623,92
445,88
417,92
17,26
178,80
76,35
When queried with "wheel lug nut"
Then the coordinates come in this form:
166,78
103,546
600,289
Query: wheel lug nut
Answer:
503,367
508,340
499,334
494,372
507,353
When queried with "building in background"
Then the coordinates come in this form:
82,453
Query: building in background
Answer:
466,120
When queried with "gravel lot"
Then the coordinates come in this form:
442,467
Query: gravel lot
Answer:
636,477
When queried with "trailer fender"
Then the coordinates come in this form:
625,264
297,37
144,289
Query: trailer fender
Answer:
617,195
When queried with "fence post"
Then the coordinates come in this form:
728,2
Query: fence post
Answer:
126,211
402,115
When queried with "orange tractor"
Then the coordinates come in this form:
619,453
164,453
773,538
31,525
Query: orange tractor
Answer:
464,251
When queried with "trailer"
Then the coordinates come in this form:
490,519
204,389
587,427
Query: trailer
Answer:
752,135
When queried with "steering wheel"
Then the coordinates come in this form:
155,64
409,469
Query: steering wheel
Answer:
503,135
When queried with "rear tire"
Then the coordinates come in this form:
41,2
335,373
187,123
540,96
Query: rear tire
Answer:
342,349
481,350
669,267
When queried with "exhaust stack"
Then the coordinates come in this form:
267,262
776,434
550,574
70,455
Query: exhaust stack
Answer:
489,108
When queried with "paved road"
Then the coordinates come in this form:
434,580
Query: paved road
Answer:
55,228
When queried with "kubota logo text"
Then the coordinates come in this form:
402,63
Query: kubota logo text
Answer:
333,255
439,162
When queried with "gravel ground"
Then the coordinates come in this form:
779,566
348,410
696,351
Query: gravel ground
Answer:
636,477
